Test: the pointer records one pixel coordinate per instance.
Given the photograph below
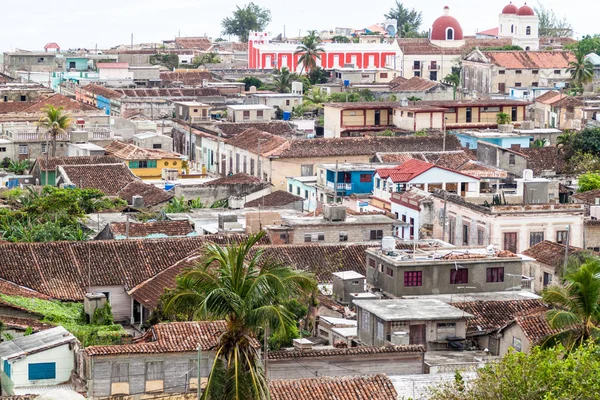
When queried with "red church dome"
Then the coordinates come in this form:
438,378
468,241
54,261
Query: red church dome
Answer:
446,27
510,9
525,10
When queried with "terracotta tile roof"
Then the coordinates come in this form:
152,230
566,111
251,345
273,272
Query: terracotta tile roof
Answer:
23,324
14,106
279,198
544,159
58,100
481,170
170,337
108,178
530,59
348,351
493,315
321,260
63,270
548,97
490,32
473,103
201,43
187,77
128,151
422,46
279,128
170,92
152,195
102,91
249,140
409,170
550,253
397,81
12,289
569,101
414,84
52,163
588,197
535,326
145,229
378,387
235,179
112,65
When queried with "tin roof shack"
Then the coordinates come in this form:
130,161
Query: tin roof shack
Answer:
431,323
421,272
42,359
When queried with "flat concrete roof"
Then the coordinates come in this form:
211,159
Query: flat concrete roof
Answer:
348,275
350,220
346,332
412,309
460,297
192,104
356,166
242,107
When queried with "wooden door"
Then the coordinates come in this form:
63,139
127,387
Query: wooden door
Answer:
417,334
510,241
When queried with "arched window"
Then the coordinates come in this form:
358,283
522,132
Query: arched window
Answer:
512,29
527,48
528,31
449,34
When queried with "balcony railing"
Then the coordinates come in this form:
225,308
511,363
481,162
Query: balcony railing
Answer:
33,134
340,186
434,67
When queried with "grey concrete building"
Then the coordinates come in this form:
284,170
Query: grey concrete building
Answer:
510,160
345,283
427,322
32,62
403,273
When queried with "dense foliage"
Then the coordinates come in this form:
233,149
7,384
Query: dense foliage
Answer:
589,181
408,21
550,24
245,19
50,215
540,375
101,330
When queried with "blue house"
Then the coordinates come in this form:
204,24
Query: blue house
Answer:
352,178
469,139
76,63
103,103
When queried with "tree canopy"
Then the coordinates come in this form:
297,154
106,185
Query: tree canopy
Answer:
551,24
539,375
245,19
588,44
408,21
310,51
589,181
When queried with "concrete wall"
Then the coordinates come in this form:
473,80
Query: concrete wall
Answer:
119,300
511,338
356,233
209,194
390,364
61,355
238,115
499,158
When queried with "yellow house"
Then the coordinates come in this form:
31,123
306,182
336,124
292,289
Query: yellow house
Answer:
145,163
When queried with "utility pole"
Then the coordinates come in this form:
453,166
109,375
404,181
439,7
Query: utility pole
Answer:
335,184
444,217
444,134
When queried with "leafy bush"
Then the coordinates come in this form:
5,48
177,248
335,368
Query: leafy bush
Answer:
503,118
71,316
589,182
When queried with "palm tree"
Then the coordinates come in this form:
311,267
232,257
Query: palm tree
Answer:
539,143
315,97
56,122
577,312
310,50
229,285
282,82
581,70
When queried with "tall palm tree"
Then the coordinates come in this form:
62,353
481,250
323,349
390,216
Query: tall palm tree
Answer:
310,51
577,312
56,121
581,70
282,81
236,284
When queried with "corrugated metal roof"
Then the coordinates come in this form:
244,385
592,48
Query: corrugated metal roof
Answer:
26,345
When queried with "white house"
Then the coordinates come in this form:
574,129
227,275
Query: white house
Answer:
249,113
114,71
422,175
42,359
414,207
284,101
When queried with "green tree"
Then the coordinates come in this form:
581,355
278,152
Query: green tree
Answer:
250,81
170,61
408,21
503,118
245,19
310,51
316,98
18,167
56,123
340,39
576,315
580,163
550,24
540,375
539,143
249,292
318,75
581,70
282,80
207,58
588,44
589,181
586,141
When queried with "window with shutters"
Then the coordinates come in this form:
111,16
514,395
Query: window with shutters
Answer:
365,319
561,236
480,237
372,263
39,371
306,170
413,278
154,371
120,372
535,238
459,276
495,275
376,234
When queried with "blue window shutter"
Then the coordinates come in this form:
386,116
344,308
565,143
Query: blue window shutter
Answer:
42,371
7,368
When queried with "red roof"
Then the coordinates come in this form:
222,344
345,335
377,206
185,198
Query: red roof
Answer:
490,32
409,170
525,10
115,65
441,25
51,45
510,9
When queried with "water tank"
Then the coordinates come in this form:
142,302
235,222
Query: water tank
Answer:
388,243
287,115
346,83
527,174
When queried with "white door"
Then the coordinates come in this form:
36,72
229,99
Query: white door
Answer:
353,61
284,62
371,61
336,61
268,62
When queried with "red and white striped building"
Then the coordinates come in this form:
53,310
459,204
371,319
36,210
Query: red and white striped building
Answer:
263,54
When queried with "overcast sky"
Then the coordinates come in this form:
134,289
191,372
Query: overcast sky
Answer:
86,23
